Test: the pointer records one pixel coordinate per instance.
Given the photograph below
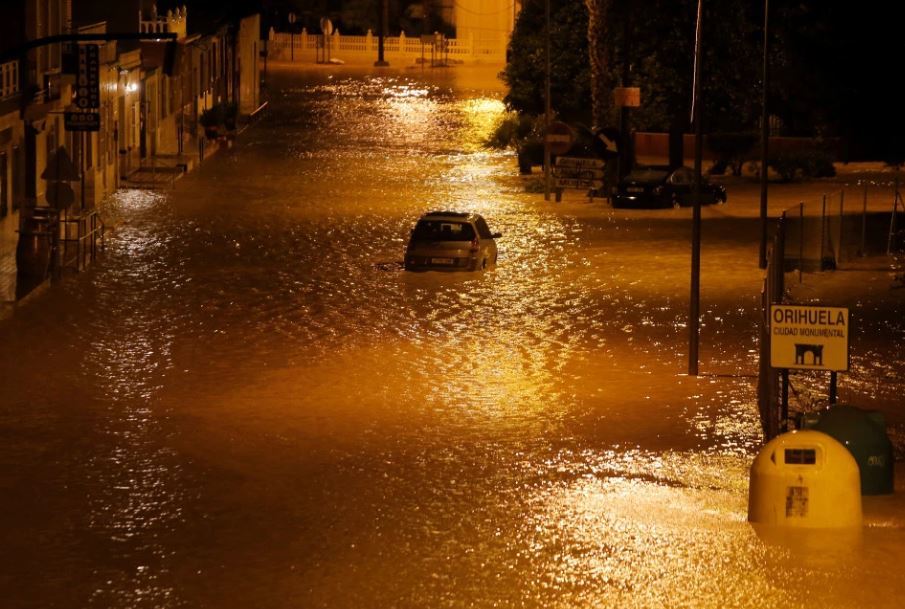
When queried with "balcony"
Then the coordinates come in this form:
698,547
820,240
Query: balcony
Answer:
9,79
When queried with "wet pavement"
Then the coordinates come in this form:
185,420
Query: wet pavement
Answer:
248,404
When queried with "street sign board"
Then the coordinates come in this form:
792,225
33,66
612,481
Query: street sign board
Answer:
627,97
88,80
82,121
578,172
60,195
579,162
809,337
60,167
578,183
560,137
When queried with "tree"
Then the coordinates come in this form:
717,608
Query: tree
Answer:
570,73
600,60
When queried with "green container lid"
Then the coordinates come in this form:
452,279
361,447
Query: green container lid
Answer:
863,433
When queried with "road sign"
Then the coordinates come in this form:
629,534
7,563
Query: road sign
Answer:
578,184
809,337
88,80
578,172
579,162
60,168
60,195
82,121
627,97
560,137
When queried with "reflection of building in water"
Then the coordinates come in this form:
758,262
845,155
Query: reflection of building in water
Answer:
488,22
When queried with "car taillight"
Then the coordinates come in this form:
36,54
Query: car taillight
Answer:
474,245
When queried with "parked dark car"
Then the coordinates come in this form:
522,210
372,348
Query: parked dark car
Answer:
660,186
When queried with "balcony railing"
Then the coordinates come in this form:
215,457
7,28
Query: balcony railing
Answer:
9,79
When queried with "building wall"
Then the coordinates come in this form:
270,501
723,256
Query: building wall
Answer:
247,64
489,23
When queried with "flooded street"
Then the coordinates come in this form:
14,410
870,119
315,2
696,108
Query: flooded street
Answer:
247,403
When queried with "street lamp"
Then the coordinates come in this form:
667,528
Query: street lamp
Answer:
292,36
764,141
548,112
694,315
384,18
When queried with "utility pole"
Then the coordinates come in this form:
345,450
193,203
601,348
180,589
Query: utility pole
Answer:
291,36
381,33
764,143
695,300
548,112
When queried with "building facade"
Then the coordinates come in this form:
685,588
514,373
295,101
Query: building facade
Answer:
152,95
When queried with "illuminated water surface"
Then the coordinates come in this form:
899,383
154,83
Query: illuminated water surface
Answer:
248,404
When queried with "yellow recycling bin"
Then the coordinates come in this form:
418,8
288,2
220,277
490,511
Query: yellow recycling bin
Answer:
805,479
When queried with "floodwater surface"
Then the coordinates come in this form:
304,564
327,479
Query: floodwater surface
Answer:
247,403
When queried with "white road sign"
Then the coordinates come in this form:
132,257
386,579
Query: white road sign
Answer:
809,337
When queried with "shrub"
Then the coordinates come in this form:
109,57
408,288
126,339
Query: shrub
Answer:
731,150
219,117
806,163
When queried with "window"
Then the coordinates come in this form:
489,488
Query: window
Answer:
440,230
483,229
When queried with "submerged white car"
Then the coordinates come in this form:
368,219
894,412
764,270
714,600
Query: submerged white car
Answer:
451,241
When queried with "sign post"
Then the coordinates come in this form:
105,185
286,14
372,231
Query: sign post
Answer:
808,337
578,172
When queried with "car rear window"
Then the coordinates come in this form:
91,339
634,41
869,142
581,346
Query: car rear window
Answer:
439,230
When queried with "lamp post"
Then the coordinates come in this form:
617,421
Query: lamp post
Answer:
548,112
764,143
695,300
292,36
381,33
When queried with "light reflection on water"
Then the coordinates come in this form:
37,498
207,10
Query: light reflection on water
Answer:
247,405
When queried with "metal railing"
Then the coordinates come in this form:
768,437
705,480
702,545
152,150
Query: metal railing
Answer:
286,46
81,238
825,233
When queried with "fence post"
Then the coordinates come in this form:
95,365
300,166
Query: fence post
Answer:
839,249
892,217
864,224
822,232
770,413
800,238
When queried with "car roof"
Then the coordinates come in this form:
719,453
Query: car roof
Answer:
448,215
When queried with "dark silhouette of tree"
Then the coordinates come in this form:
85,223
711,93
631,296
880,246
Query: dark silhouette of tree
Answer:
524,72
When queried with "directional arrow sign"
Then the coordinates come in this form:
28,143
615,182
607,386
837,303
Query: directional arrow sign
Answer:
578,183
574,161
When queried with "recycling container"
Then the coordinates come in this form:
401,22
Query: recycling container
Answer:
805,479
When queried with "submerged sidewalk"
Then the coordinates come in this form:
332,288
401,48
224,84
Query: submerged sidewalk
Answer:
158,173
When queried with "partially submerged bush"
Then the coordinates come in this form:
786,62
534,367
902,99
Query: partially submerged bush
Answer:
806,163
731,150
522,133
219,118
